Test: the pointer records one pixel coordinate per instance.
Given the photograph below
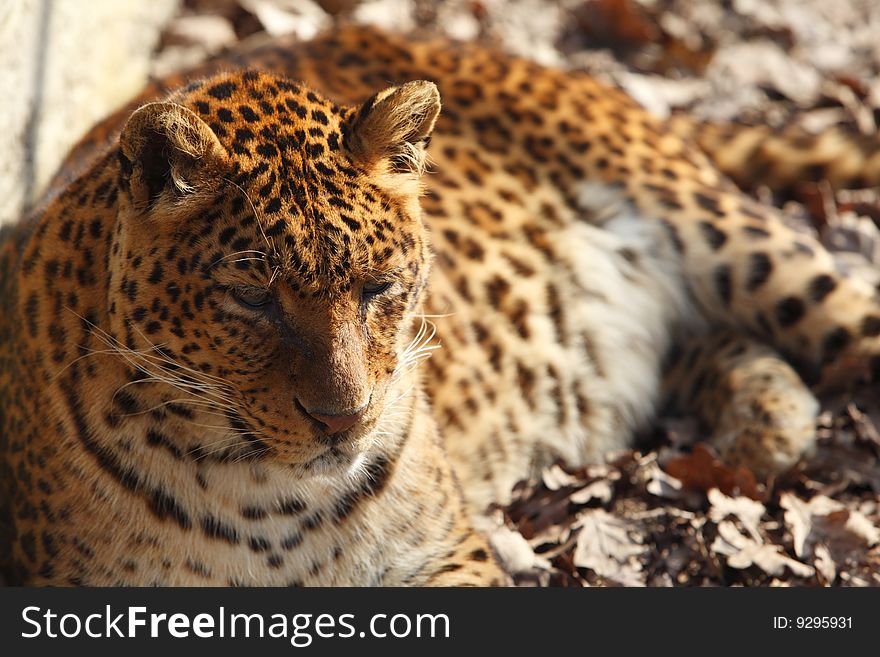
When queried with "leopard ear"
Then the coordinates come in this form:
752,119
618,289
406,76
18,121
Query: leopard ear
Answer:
168,154
394,127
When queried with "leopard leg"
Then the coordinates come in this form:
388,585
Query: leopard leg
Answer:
471,563
757,410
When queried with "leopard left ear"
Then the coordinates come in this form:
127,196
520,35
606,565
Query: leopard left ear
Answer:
395,126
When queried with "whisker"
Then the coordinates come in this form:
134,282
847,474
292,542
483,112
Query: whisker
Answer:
180,401
256,214
154,363
237,253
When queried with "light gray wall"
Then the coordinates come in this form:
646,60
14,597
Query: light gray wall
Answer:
65,64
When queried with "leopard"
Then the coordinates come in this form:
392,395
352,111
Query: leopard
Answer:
303,314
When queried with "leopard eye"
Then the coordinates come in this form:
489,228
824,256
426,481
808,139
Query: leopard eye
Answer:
374,289
251,297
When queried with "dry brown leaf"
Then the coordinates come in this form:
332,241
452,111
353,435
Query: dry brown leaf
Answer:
824,564
858,524
610,547
743,552
661,484
304,18
846,533
540,511
514,551
764,64
799,517
864,424
616,23
555,478
334,7
748,512
702,470
601,489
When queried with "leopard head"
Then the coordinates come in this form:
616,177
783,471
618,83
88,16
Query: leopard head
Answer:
270,255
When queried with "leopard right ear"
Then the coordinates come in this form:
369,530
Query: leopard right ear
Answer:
393,128
168,156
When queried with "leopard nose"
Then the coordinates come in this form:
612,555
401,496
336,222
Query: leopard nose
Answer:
333,424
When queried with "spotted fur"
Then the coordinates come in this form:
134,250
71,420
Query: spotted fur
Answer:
221,279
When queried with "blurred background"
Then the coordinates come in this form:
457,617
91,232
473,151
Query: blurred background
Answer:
69,63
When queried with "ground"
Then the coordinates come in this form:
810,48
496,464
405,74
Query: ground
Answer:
671,514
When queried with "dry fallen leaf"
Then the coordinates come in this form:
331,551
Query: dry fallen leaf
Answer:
555,478
748,512
766,64
825,565
743,552
601,490
864,425
799,517
514,551
702,470
661,484
615,23
609,546
846,533
304,18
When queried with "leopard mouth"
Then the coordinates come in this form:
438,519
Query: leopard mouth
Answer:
342,441
332,460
